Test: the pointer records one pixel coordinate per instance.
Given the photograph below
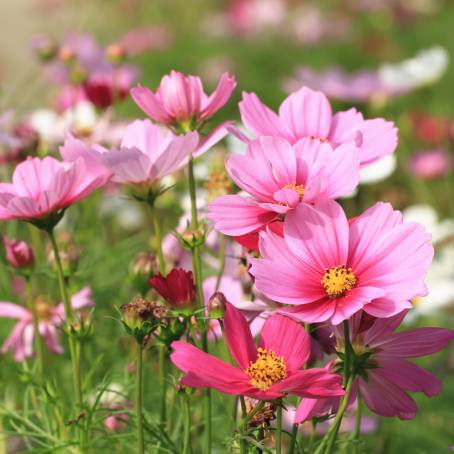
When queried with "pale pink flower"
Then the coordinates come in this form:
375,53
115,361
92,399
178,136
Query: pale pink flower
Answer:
308,113
267,372
330,268
181,99
18,253
20,341
430,164
149,38
43,188
148,153
278,177
386,384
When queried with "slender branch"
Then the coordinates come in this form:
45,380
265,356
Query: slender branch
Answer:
243,426
357,432
279,429
293,439
163,383
157,238
221,261
187,425
139,398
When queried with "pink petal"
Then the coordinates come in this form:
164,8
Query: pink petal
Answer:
150,104
235,215
10,310
286,338
211,139
318,235
386,398
204,370
382,328
306,113
386,307
344,127
257,117
128,165
319,311
289,197
239,337
219,97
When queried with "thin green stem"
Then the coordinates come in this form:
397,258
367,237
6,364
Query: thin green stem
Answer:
330,437
243,426
293,439
37,334
279,428
158,238
221,261
77,382
163,384
187,425
197,267
357,431
348,353
139,398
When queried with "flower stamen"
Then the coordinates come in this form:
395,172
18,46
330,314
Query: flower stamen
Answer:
266,370
299,188
338,280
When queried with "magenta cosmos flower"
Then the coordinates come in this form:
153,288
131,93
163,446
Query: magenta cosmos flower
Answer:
330,268
266,372
387,378
43,188
180,99
20,341
308,113
278,177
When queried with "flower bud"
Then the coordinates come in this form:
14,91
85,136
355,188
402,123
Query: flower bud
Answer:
138,318
116,53
192,238
177,289
78,74
66,54
18,254
143,266
44,47
217,305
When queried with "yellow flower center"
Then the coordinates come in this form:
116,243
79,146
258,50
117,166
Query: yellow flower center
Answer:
266,370
299,188
42,309
338,280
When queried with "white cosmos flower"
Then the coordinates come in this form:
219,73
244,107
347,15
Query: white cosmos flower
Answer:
427,67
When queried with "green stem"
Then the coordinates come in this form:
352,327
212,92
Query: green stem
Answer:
38,338
243,426
279,428
158,238
197,267
77,382
348,353
163,383
330,437
139,388
187,425
357,432
293,439
221,261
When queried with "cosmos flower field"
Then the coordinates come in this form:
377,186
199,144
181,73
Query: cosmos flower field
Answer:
227,228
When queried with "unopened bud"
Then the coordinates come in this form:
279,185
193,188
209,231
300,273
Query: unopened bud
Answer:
138,318
116,53
217,305
142,267
78,74
66,54
44,47
18,254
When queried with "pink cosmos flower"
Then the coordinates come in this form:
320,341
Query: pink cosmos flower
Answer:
266,372
20,341
44,187
308,113
19,254
279,177
387,382
430,164
148,152
331,268
181,99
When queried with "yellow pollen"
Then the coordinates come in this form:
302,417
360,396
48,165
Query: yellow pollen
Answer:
338,280
299,188
266,370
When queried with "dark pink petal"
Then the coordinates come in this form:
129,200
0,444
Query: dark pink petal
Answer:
386,398
415,342
312,383
204,370
309,408
409,376
385,307
239,337
382,328
286,338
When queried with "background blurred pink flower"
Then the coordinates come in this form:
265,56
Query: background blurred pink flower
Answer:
376,262
430,164
20,341
19,254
